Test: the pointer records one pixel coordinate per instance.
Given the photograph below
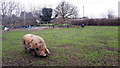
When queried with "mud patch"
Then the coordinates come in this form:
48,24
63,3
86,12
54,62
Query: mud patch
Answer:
104,42
97,48
70,45
110,48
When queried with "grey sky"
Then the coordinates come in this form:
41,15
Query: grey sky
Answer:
93,8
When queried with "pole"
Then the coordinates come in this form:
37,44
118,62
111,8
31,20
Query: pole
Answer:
24,18
83,10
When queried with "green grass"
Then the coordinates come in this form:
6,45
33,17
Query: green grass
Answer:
90,46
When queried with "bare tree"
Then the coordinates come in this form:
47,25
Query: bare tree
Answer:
66,10
3,7
110,14
43,15
9,7
36,11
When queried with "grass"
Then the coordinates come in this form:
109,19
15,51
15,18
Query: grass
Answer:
90,46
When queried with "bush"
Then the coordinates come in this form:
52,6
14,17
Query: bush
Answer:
46,24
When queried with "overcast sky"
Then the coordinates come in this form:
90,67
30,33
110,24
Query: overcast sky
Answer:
93,8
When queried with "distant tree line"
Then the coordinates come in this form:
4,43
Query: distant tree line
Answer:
97,22
25,19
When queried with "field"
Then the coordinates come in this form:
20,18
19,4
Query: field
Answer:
90,46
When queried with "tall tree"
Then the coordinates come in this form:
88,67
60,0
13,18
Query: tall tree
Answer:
110,14
66,10
36,11
44,14
47,14
3,7
9,7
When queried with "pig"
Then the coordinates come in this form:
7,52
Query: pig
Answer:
35,44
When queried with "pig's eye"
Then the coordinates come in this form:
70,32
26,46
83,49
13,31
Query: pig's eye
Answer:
40,42
35,44
36,48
